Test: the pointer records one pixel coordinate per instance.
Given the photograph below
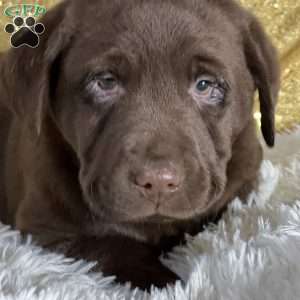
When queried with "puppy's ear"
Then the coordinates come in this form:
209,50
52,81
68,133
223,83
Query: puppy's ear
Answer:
262,61
25,73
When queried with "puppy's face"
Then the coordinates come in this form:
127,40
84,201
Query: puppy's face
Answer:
151,96
151,99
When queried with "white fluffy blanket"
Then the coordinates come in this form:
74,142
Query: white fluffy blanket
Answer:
253,253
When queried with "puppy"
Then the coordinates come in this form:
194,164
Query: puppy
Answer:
131,124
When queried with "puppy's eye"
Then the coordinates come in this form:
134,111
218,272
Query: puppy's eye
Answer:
107,81
206,89
104,87
203,85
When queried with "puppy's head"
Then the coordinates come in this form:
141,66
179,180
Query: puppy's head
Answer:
150,96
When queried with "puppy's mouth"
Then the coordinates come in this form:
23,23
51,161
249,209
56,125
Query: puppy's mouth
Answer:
159,218
120,207
150,212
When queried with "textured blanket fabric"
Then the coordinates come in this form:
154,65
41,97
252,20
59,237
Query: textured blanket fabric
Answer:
253,253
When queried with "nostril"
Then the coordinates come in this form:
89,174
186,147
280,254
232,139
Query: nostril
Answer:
148,186
171,187
144,181
169,181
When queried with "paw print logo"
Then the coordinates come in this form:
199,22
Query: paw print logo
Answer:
24,32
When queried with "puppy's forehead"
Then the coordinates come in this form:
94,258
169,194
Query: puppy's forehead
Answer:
154,32
151,25
158,27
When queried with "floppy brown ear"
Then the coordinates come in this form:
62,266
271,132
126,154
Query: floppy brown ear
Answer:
263,63
25,73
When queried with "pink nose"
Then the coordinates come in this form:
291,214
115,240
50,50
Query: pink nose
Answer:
161,180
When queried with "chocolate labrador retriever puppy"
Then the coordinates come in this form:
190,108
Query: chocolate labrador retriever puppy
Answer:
132,123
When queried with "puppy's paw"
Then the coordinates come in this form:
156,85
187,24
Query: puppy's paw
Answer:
126,259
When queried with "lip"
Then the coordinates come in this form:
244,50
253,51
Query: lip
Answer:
158,218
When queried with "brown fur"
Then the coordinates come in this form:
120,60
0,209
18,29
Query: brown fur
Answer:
69,164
